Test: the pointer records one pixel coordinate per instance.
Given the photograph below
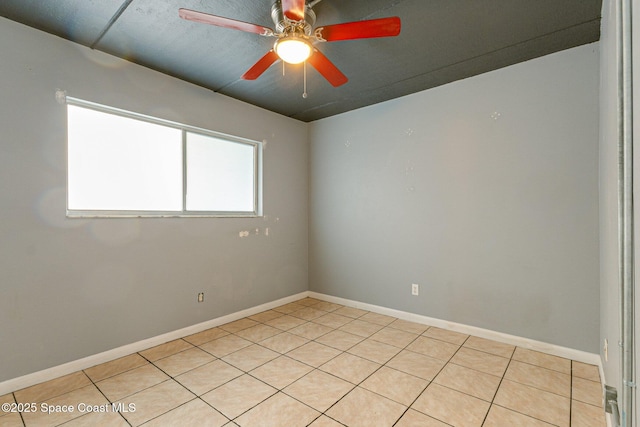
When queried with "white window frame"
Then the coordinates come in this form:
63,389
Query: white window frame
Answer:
185,130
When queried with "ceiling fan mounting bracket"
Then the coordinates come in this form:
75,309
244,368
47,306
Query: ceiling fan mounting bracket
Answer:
317,34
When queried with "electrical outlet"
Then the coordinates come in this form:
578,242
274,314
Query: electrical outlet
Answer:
201,297
415,289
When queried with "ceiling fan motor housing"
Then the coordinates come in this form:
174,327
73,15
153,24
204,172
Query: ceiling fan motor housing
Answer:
286,26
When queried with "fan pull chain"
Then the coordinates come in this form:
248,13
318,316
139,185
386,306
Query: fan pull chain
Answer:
304,78
283,73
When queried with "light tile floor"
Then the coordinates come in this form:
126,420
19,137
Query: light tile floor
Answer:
321,364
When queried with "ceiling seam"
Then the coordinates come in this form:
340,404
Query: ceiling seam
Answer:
390,6
224,86
112,21
503,48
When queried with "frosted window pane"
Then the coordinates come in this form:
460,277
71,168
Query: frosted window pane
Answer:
119,163
220,176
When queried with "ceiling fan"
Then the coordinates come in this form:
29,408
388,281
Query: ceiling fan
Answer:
294,20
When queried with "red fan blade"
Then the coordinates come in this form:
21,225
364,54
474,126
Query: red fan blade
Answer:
293,9
383,27
327,69
261,66
219,21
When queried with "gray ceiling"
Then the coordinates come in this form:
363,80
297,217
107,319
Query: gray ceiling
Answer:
441,41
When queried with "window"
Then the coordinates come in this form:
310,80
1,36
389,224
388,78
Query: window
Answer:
220,176
124,164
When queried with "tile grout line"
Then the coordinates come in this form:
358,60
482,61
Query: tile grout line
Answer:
511,409
538,388
504,374
571,396
21,415
199,397
100,391
171,378
321,413
432,380
346,351
258,379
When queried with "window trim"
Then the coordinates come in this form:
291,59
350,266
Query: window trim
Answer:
185,129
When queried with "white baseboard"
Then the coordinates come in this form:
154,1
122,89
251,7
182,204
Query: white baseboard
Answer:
109,355
106,356
555,350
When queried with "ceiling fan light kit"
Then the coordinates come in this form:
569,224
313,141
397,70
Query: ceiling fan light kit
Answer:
293,49
294,20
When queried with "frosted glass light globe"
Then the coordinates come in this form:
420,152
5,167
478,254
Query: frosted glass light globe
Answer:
293,50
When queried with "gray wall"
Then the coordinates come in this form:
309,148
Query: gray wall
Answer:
70,288
483,191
